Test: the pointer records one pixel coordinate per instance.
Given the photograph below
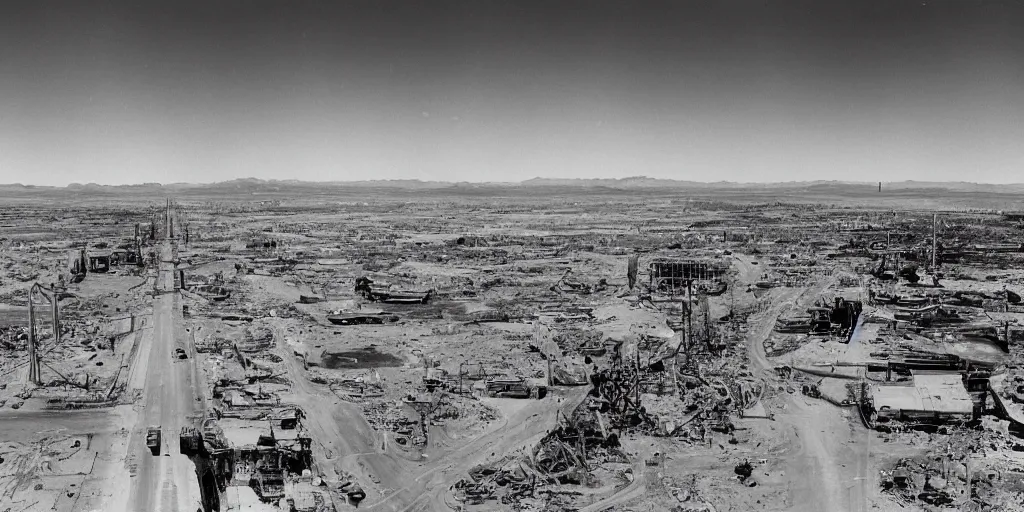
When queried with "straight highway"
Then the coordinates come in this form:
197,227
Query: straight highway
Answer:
166,482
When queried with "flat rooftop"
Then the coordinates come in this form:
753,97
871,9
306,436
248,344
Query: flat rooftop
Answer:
934,392
241,433
244,498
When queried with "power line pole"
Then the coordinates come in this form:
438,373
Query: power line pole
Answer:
33,368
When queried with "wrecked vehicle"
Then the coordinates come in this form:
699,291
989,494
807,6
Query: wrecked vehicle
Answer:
361,318
153,440
365,287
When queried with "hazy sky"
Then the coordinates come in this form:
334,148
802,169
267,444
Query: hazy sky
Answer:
129,92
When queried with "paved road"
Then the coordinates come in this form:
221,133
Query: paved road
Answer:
166,482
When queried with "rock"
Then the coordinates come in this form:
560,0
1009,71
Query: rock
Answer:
917,480
960,471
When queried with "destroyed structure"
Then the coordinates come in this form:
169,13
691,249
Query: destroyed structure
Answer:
337,353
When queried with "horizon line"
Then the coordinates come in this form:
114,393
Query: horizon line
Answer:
500,183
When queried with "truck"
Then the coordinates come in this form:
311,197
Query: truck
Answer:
190,440
514,388
153,440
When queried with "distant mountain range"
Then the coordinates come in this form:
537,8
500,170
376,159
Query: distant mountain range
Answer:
256,186
640,182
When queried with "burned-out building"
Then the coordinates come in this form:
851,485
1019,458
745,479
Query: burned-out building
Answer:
99,262
674,275
266,460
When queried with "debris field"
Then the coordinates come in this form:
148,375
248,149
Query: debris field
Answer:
551,351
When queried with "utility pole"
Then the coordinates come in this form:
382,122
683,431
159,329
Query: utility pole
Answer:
55,318
935,244
33,369
689,309
706,312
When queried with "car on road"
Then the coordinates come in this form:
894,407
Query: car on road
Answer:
180,353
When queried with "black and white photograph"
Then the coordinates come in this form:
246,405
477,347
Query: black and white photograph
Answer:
512,256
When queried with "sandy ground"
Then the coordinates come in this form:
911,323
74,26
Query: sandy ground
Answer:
69,461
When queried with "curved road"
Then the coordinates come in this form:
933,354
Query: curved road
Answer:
634,490
830,468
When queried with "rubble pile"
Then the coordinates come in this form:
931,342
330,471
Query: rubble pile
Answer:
961,472
516,354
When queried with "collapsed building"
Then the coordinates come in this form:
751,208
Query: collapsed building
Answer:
436,356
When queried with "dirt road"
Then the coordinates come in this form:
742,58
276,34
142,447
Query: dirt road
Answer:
426,490
635,489
23,427
393,483
826,468
814,467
